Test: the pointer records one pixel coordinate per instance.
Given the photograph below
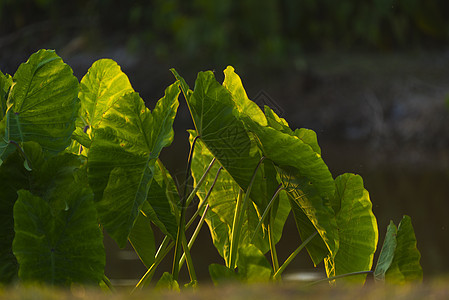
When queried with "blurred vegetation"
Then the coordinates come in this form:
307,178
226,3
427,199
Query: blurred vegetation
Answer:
264,30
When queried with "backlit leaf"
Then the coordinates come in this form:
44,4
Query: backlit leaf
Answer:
405,266
42,104
124,149
357,229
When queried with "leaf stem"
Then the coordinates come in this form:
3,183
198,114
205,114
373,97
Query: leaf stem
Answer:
274,256
293,255
180,237
165,247
200,207
238,218
265,213
339,276
108,284
161,253
188,258
27,162
195,234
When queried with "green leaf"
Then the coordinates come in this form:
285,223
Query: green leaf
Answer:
183,85
102,86
274,121
265,183
58,246
222,275
48,179
222,203
306,135
387,253
405,266
166,282
316,248
142,240
357,229
42,104
289,150
245,106
216,111
253,265
307,180
5,85
216,121
13,177
160,206
124,149
81,137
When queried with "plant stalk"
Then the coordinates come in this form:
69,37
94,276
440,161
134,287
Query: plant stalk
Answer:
238,218
274,256
195,235
265,213
180,236
339,276
108,284
164,249
293,255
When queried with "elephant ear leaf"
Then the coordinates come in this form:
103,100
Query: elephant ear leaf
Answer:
102,86
42,104
357,228
61,246
142,240
5,85
387,253
253,265
399,259
122,157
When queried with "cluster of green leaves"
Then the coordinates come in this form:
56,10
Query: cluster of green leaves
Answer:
79,157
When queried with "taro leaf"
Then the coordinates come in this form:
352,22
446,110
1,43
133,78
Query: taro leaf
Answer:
306,179
220,233
316,247
245,106
124,149
142,240
221,274
102,86
166,282
222,203
253,265
288,150
216,121
387,253
47,179
5,84
58,246
274,121
306,135
13,177
187,92
265,183
42,104
405,266
312,213
357,229
160,206
216,111
280,124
